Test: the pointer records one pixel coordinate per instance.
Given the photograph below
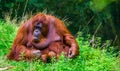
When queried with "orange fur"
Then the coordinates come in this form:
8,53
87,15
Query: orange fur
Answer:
55,39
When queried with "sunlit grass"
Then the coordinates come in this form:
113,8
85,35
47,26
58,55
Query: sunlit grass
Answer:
90,59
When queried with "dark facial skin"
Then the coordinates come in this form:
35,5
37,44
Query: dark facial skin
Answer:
37,32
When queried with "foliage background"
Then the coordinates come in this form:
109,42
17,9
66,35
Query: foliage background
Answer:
95,17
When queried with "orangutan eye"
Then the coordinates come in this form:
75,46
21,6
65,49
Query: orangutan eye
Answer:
38,26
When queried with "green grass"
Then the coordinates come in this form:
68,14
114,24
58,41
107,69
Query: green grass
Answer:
90,59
